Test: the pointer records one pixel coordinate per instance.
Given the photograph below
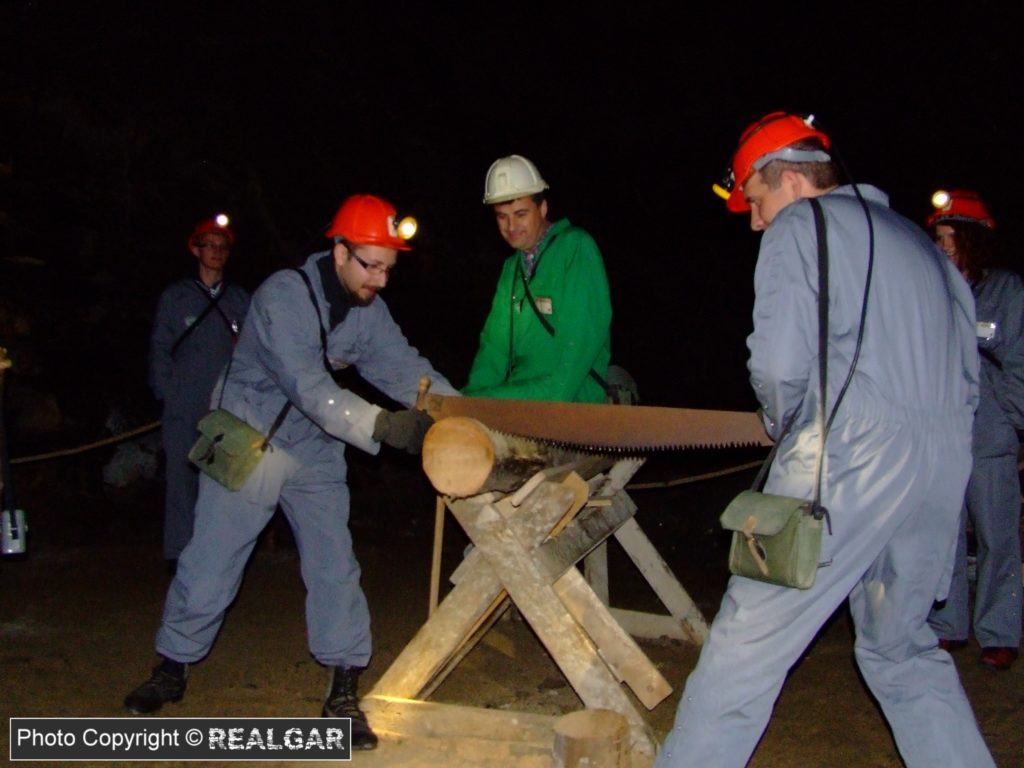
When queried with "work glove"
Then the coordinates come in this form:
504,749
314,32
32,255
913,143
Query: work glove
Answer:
402,429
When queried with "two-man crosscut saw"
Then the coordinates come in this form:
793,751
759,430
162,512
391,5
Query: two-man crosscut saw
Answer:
603,427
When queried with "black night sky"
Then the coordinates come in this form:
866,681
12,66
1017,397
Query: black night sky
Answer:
123,123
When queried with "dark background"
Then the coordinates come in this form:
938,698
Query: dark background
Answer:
123,123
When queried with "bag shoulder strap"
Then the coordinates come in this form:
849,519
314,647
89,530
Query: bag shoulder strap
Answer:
823,299
279,419
232,328
323,350
319,321
202,316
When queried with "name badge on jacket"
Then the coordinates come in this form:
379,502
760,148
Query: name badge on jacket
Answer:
544,305
986,331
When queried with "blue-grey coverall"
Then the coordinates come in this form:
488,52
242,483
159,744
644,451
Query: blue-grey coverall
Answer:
184,380
993,493
279,357
897,460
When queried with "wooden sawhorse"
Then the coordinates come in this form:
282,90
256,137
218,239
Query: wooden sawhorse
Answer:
526,546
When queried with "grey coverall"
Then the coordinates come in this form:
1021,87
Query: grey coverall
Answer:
993,493
183,380
279,357
897,461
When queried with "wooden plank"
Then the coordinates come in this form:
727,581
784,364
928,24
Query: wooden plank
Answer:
423,658
595,568
450,735
620,651
490,617
427,719
616,647
561,524
662,580
591,527
435,558
424,661
565,640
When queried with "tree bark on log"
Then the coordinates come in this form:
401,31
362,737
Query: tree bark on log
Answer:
462,457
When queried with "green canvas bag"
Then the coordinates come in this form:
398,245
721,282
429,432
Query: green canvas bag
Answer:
228,449
775,538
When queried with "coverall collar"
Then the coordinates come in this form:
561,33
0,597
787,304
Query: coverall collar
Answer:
338,301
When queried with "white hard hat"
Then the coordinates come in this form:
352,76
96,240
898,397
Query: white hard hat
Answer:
510,178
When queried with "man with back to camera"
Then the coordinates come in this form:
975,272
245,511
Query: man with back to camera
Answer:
548,333
965,230
281,359
197,323
898,457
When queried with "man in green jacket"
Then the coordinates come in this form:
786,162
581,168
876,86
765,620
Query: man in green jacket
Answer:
548,334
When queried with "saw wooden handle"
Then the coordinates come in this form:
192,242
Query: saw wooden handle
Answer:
421,394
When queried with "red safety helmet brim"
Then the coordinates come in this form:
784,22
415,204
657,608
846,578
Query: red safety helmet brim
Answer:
368,220
210,226
771,133
964,205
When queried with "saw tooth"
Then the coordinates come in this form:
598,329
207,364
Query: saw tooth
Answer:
619,430
617,451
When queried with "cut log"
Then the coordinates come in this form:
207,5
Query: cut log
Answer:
462,457
595,738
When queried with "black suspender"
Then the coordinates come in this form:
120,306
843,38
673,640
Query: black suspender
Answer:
212,305
279,420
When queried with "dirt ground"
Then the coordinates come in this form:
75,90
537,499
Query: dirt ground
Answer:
78,614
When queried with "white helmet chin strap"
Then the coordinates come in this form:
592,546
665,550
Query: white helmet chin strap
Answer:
791,155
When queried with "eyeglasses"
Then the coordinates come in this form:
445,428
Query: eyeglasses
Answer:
374,269
214,246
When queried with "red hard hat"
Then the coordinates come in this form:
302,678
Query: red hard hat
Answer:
960,205
217,224
367,220
771,134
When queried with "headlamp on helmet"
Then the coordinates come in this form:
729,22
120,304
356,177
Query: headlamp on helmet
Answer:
407,227
770,138
215,225
960,205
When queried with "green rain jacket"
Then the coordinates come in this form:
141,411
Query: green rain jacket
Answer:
518,357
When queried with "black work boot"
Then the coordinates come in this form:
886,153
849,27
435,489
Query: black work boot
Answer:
342,701
167,683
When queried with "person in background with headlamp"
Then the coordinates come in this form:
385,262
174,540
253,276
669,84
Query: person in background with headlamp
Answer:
283,356
548,333
898,457
197,323
965,230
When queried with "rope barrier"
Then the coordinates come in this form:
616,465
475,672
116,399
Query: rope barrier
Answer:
89,446
145,428
693,478
719,473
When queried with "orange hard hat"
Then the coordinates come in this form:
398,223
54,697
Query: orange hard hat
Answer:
960,205
368,220
765,140
217,224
